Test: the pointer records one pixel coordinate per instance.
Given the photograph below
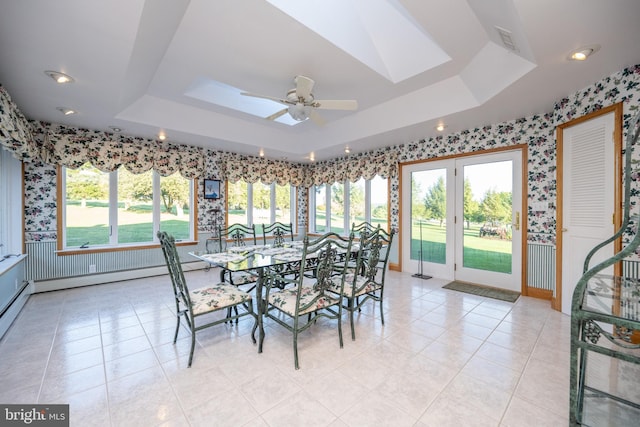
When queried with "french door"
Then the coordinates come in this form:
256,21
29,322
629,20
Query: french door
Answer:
462,219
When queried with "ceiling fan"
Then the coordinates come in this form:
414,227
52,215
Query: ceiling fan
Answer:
302,105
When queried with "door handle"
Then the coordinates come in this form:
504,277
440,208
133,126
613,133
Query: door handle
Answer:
564,229
517,223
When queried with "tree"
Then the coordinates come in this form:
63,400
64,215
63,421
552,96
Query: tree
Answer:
174,190
417,206
356,201
435,202
470,206
496,206
87,183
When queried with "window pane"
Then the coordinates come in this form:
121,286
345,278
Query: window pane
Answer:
283,203
135,207
237,202
357,212
321,208
175,209
337,207
379,200
261,205
86,206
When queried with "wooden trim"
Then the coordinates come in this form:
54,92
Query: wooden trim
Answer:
524,219
394,266
66,252
59,206
24,217
459,155
617,110
400,204
545,294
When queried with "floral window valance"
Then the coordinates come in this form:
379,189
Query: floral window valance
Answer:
15,131
352,168
72,147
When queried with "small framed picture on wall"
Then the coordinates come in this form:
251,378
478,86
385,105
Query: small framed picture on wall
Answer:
211,188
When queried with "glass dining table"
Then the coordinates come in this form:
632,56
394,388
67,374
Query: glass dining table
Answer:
255,259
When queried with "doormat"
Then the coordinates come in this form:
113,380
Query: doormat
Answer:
484,291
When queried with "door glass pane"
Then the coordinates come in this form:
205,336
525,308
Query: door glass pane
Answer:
321,208
487,216
175,205
237,197
379,200
135,206
337,207
261,206
86,206
356,202
283,204
428,214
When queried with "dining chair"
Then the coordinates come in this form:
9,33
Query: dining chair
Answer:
191,304
234,236
366,281
363,228
297,303
279,232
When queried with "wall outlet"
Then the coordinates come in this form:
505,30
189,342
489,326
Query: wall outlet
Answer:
92,268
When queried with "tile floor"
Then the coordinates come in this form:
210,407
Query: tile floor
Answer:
443,358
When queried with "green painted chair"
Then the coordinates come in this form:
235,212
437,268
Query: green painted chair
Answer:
297,303
191,304
234,236
366,281
364,228
280,233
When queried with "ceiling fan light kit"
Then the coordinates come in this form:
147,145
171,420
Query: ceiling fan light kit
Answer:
302,105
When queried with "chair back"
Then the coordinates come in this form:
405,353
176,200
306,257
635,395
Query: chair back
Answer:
373,255
236,235
363,229
327,256
279,231
180,289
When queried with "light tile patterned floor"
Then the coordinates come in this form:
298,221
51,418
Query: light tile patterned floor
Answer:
442,358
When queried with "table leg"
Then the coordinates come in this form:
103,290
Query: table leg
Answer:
260,307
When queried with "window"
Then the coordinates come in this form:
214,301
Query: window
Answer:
337,206
121,208
260,204
11,206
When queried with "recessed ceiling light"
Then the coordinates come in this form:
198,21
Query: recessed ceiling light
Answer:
66,111
59,77
261,153
441,127
162,137
115,129
583,53
347,149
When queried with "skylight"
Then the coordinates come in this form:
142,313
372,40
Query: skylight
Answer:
218,93
379,33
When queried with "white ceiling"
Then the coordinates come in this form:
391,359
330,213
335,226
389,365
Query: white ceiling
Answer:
136,63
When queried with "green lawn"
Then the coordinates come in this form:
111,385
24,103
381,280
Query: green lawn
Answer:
483,253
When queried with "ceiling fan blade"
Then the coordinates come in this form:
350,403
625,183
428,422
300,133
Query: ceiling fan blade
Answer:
335,104
277,114
317,118
271,98
304,85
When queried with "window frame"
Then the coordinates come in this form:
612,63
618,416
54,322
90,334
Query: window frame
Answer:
347,205
293,200
113,246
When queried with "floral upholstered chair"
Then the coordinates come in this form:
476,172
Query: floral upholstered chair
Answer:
366,281
191,304
297,303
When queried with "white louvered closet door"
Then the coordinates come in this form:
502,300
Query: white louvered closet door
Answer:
588,199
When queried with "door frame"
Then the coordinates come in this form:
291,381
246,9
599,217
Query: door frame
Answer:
617,110
524,208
